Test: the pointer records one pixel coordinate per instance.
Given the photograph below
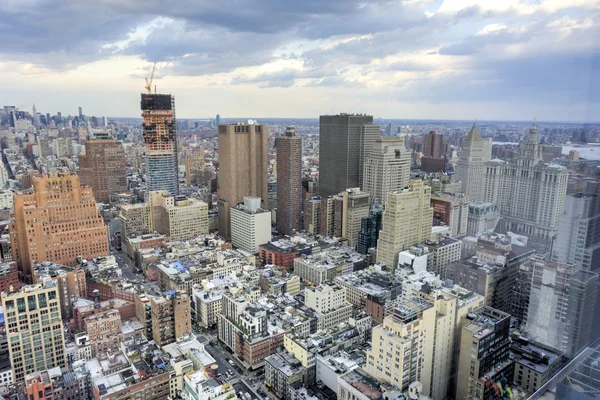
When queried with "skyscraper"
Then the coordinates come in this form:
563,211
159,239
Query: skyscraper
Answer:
58,222
160,135
289,181
36,117
529,193
194,166
369,231
218,120
34,329
345,142
470,168
80,112
562,305
433,145
578,237
406,221
387,168
103,167
243,158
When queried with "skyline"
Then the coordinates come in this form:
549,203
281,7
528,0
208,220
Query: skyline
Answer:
450,59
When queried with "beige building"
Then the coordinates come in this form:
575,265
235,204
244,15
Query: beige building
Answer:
71,283
387,169
415,343
470,168
184,220
243,155
34,329
406,221
58,222
329,301
356,207
104,332
194,165
171,318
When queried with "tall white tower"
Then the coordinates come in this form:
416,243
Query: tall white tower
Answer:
470,167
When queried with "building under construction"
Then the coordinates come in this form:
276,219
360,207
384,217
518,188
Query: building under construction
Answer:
160,135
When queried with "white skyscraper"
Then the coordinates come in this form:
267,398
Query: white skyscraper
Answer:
36,117
387,168
530,194
470,167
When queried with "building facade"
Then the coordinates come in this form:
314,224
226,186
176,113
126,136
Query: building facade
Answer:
34,329
387,168
345,142
578,237
58,222
250,225
243,155
159,130
406,221
470,168
289,182
103,167
529,193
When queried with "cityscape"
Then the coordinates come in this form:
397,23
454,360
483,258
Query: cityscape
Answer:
157,255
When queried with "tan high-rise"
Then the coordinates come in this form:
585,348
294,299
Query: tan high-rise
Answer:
171,318
194,165
34,329
242,168
406,221
103,167
58,222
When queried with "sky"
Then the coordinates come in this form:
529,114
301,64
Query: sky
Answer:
438,59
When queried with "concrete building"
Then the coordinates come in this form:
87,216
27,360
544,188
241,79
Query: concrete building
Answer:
250,225
562,303
289,182
282,370
452,210
159,130
578,237
482,217
243,171
171,318
9,277
327,264
6,199
356,207
329,301
470,168
135,220
415,343
345,143
387,169
104,332
103,167
483,353
36,343
183,220
71,283
406,221
58,222
194,166
529,193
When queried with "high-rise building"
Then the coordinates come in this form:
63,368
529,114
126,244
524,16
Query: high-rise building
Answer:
356,207
34,329
483,353
184,220
103,167
80,112
452,210
369,231
433,145
243,171
289,181
250,225
160,135
483,217
36,117
562,304
171,318
194,166
470,168
345,142
57,222
578,237
218,120
387,168
529,193
406,221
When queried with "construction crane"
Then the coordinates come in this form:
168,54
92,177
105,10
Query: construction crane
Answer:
149,81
